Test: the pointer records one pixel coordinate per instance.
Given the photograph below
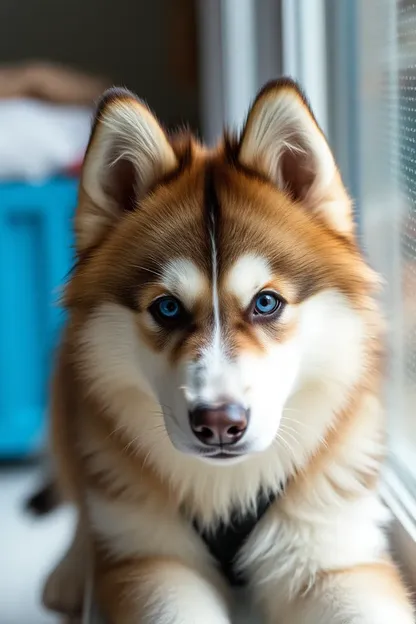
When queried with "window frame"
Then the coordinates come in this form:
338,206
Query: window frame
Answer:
238,52
399,498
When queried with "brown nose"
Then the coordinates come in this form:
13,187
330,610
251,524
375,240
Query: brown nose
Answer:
219,425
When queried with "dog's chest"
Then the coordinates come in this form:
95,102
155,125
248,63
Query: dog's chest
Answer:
225,540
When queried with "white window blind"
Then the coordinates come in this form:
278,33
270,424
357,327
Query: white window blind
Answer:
404,164
388,199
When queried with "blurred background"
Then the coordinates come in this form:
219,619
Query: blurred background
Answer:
197,63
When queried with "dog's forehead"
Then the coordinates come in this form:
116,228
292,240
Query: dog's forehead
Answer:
242,279
216,229
252,232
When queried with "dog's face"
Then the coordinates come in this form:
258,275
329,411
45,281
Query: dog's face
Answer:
220,283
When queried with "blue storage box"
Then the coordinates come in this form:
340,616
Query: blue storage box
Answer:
35,257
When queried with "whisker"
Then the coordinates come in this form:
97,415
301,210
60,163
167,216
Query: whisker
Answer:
167,407
175,420
296,441
291,409
157,428
307,427
298,422
279,438
153,271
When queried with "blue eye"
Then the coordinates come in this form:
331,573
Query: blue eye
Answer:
168,311
266,303
169,307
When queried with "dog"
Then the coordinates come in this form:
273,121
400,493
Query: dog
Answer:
216,413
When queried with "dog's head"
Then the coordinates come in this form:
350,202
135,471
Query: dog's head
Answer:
220,284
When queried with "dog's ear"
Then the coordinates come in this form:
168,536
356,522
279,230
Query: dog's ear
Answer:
282,141
127,153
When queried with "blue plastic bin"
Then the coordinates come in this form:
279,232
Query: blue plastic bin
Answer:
35,257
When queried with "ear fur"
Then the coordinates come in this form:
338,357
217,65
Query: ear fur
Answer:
282,141
127,153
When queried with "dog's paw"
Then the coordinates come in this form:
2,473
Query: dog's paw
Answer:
64,590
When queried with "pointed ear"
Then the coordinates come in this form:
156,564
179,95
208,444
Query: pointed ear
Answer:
282,141
127,153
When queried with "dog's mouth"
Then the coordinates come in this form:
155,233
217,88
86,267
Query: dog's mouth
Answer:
221,454
222,458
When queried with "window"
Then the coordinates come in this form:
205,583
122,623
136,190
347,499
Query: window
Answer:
402,104
387,101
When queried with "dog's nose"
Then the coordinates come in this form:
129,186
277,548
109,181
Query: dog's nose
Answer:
219,425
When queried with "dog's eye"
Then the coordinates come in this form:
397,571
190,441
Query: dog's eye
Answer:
266,304
168,307
168,311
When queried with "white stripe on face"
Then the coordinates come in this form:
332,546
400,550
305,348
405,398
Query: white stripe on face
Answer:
247,277
214,377
215,297
207,375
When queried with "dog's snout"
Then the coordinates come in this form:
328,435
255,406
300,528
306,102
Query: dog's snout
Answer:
219,425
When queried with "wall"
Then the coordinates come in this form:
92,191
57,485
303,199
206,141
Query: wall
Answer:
133,42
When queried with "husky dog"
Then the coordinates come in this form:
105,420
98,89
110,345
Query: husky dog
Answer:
216,400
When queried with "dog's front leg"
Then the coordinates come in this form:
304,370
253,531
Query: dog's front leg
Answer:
370,594
328,568
158,591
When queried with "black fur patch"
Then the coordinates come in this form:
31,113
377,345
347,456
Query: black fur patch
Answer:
212,211
225,541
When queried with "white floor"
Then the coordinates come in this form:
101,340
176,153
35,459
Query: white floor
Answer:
28,548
